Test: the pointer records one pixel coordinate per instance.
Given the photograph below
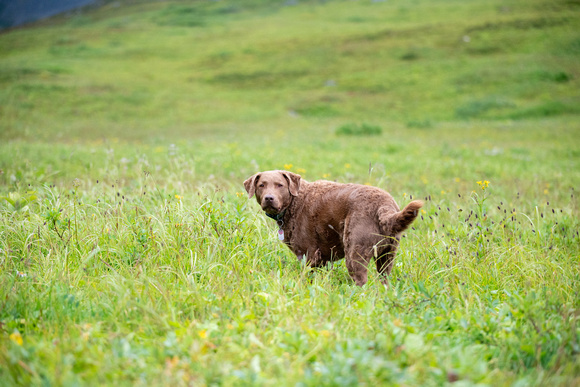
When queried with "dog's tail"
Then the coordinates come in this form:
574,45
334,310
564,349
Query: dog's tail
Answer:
395,223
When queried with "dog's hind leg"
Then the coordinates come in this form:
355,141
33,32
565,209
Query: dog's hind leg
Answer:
359,241
385,262
385,252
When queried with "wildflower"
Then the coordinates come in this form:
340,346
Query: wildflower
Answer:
483,184
16,337
347,165
202,334
239,194
20,273
288,166
457,179
300,170
178,197
326,175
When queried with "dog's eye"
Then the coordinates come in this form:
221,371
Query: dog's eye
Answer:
261,185
279,185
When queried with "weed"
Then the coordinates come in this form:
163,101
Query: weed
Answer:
20,202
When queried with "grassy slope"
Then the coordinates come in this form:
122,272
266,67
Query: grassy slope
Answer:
389,61
152,266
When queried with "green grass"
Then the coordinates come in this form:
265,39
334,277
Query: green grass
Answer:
130,254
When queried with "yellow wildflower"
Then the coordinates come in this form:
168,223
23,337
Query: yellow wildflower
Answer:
483,184
16,337
288,166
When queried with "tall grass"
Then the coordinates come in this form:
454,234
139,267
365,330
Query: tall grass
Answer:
139,274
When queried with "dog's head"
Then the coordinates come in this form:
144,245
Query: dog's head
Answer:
274,190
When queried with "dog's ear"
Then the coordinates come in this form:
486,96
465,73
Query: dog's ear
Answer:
293,182
250,184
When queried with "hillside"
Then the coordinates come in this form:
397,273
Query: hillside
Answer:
136,69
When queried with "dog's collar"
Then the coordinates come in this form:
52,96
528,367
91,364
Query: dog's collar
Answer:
278,217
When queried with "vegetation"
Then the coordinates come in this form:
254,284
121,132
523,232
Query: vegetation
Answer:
130,254
359,130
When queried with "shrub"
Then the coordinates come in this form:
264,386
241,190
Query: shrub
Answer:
363,129
481,107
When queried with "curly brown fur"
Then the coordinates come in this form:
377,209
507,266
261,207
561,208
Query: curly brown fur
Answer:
326,221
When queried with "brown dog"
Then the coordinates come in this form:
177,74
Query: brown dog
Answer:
326,221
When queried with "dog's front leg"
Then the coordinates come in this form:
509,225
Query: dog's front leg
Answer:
314,259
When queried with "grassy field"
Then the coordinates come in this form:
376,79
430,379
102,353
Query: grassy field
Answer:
130,254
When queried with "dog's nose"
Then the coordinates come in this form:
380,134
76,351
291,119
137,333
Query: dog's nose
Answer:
269,198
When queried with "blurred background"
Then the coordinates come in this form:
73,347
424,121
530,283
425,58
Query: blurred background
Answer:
134,68
275,82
